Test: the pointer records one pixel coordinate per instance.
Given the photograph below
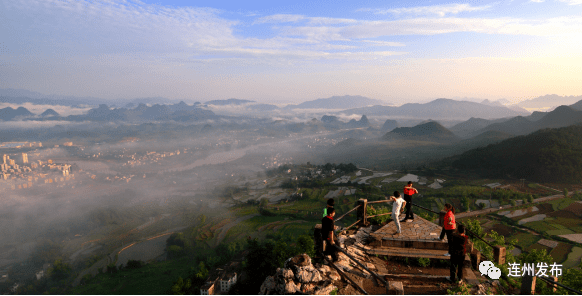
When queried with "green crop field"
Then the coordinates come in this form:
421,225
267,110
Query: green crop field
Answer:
537,246
154,278
560,204
540,226
560,253
567,222
573,258
525,239
559,232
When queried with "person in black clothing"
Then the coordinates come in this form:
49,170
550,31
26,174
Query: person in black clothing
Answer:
458,249
327,235
330,204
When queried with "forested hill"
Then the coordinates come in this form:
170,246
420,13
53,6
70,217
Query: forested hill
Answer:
548,155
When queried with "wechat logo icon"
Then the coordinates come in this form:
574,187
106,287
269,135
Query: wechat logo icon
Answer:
487,268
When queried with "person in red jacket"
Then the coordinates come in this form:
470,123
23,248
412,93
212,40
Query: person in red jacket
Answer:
449,225
408,192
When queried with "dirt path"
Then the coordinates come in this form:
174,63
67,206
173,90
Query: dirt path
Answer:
228,226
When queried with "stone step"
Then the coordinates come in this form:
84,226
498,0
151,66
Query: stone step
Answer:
408,242
413,253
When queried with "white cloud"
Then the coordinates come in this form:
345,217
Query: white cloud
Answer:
280,18
572,2
537,1
439,10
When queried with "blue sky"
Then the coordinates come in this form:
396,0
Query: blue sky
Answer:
292,51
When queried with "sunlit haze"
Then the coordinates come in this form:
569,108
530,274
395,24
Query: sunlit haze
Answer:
292,51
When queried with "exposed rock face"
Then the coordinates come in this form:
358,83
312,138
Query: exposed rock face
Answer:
299,275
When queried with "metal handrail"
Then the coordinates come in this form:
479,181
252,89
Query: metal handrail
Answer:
558,284
347,213
466,228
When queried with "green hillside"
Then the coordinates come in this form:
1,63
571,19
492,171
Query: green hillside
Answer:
549,155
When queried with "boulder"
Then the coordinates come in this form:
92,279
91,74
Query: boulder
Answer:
334,276
307,275
289,287
268,286
299,261
308,288
324,290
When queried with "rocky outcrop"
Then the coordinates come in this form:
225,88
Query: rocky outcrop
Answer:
300,276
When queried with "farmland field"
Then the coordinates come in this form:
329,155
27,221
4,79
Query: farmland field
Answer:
573,258
560,253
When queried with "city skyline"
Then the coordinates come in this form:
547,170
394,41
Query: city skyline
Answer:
290,52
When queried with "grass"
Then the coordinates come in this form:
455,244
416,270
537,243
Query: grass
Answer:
573,259
567,222
154,278
560,253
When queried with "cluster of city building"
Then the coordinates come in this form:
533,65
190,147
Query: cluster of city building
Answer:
150,157
20,173
220,280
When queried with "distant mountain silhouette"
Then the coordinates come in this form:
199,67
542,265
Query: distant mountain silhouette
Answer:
49,112
262,107
439,109
363,122
337,102
536,115
430,131
178,112
228,102
389,125
10,114
548,155
549,101
560,117
577,105
469,127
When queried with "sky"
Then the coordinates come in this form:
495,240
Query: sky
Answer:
292,51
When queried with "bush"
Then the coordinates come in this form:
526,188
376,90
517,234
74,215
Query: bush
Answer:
131,264
423,262
371,211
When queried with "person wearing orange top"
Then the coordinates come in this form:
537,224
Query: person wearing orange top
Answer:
449,225
408,192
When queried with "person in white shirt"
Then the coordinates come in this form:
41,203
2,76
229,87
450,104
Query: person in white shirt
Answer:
398,204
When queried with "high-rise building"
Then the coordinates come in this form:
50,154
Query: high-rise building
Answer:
5,158
24,158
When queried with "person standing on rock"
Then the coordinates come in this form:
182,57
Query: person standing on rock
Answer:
458,249
408,192
449,225
327,235
330,205
398,204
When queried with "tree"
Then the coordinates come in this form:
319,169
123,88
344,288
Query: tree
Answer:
565,192
529,198
59,271
177,239
305,244
264,203
202,219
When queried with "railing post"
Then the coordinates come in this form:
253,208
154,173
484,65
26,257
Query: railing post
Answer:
499,254
361,215
475,259
554,287
528,285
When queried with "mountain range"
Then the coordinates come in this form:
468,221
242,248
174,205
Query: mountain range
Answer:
548,155
439,109
548,101
337,102
431,131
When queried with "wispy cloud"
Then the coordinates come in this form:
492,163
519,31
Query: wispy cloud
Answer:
280,18
572,2
439,10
